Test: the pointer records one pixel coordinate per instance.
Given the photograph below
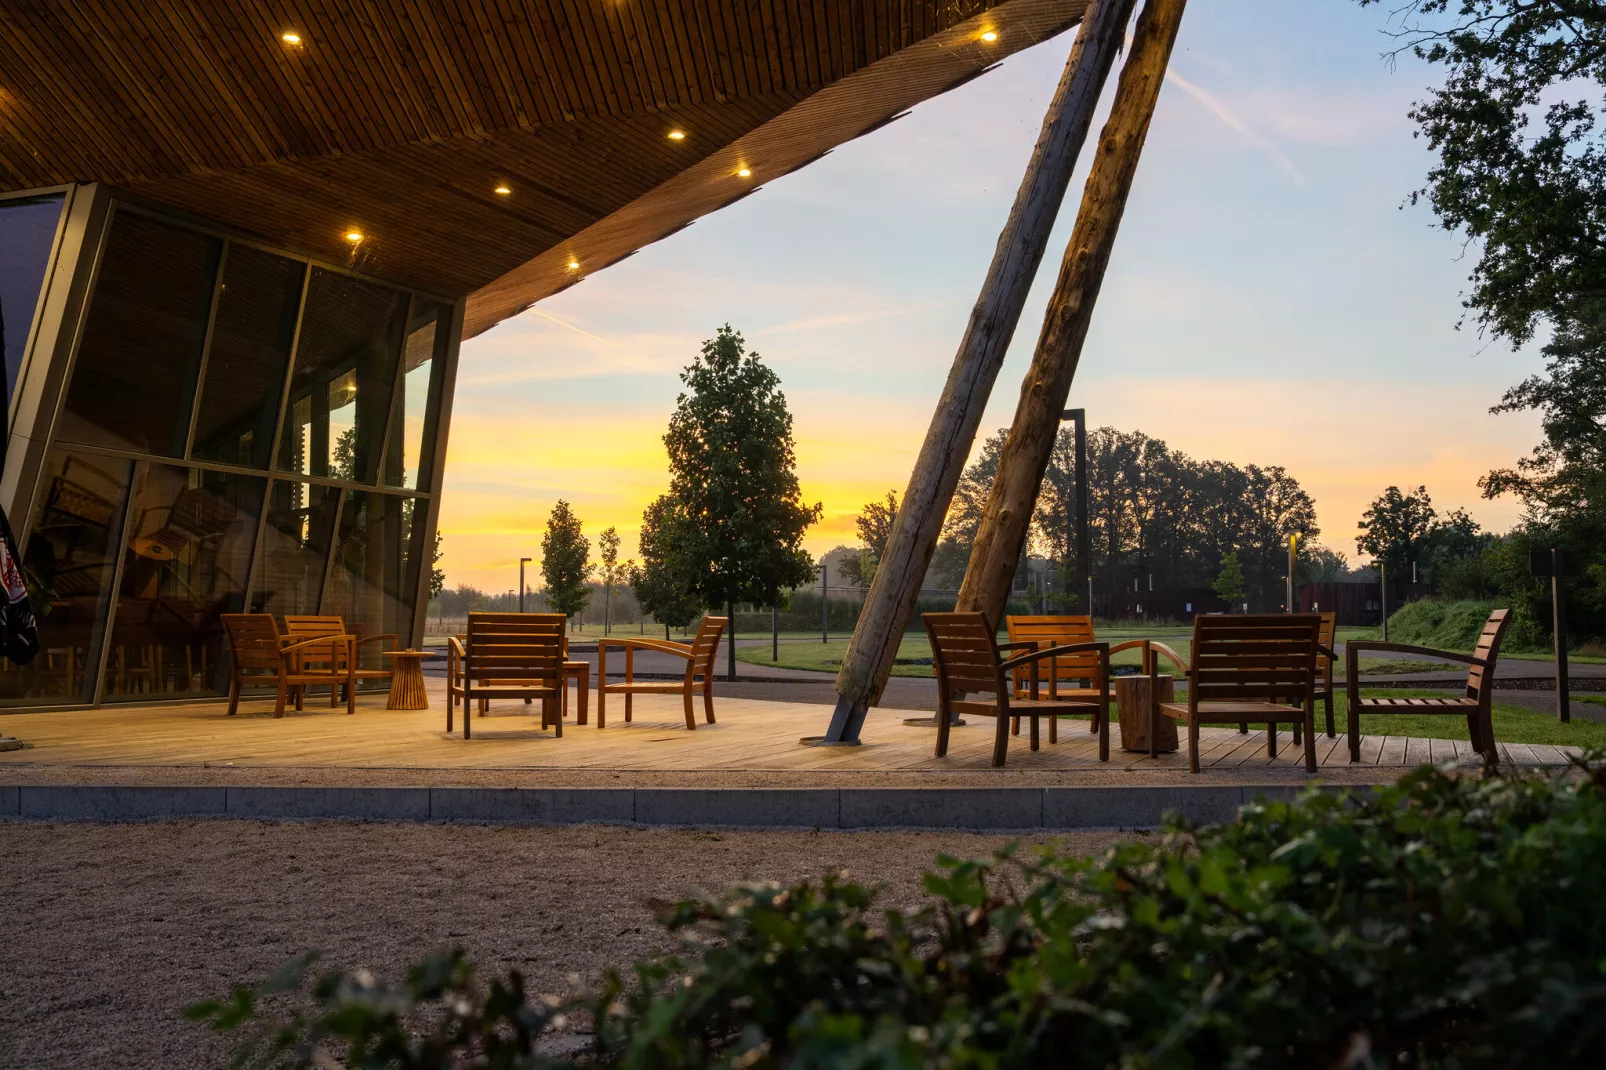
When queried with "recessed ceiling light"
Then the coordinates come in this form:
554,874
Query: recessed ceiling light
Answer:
574,265
677,135
744,173
989,36
354,236
503,188
290,37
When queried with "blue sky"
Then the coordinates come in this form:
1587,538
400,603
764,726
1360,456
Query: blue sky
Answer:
1271,300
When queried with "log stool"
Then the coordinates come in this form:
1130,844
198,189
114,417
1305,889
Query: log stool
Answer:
1133,702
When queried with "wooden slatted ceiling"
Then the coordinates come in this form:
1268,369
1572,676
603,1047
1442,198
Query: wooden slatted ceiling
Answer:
398,117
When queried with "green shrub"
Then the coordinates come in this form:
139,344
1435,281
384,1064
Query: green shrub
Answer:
1455,625
1447,921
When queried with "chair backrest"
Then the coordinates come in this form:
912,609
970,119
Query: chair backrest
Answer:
1488,649
964,651
1326,635
522,648
304,626
1254,657
1054,631
253,640
705,645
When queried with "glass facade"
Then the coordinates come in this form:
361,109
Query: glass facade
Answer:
27,236
240,431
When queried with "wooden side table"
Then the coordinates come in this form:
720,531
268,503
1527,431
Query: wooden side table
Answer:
407,680
1132,701
580,673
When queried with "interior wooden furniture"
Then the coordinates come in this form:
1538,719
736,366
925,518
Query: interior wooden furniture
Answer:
1065,674
507,655
969,661
259,655
699,656
1248,668
1474,704
307,626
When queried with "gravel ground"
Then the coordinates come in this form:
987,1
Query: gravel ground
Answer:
111,929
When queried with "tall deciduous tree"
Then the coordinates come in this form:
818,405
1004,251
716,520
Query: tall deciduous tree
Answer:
1395,528
1230,581
874,524
663,582
565,562
733,479
612,573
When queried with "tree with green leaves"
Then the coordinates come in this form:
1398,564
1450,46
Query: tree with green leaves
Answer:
612,573
437,575
565,562
1395,529
739,512
662,583
874,524
1230,580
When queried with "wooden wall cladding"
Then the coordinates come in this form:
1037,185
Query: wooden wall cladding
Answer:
398,118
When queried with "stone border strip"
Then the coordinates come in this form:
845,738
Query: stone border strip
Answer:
982,809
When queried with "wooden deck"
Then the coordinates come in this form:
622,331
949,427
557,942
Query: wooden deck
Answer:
750,735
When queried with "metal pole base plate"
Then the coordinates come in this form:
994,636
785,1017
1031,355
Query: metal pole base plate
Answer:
821,741
931,722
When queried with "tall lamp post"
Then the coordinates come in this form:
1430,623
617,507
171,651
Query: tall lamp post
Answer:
1293,549
522,562
825,602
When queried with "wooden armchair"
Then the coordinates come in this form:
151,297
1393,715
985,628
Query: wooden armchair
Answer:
1246,669
303,626
260,655
1325,657
968,659
1066,673
507,655
1474,705
699,656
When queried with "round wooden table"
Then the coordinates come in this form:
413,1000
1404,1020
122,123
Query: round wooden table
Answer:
407,680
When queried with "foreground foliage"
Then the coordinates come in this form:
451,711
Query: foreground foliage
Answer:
1446,921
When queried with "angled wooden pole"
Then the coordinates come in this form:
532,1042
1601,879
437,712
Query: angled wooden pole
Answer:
970,381
1030,442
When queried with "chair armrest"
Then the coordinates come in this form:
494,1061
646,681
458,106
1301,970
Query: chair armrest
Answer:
1016,662
453,646
1157,647
1327,653
320,641
379,638
1025,644
1130,644
659,645
1405,648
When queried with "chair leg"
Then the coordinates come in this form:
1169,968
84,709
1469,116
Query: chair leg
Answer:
1104,738
1014,726
1310,737
1328,701
278,707
468,704
628,698
301,695
1053,729
1491,750
1243,728
583,686
943,717
1033,719
691,718
234,696
1000,743
708,698
551,704
351,694
450,695
1193,745
1271,739
1299,732
1352,726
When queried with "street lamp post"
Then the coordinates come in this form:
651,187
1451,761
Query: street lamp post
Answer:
825,602
522,562
1293,549
1082,574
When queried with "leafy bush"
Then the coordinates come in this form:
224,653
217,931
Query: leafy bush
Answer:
1446,921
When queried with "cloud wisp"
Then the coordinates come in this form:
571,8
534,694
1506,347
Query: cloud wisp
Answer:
1215,106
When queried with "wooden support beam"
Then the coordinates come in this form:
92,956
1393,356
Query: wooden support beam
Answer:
1025,455
942,458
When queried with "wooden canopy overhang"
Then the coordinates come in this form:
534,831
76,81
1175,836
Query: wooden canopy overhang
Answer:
399,120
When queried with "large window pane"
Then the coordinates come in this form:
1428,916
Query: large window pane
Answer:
410,452
245,363
185,564
295,548
27,234
375,576
351,338
134,378
69,562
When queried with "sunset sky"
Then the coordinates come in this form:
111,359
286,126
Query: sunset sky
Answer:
1271,300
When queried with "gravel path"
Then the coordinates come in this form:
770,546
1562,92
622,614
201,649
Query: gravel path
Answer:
111,929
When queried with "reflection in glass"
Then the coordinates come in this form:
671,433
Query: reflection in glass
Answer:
134,377
69,561
374,581
245,362
186,559
295,548
27,234
409,455
351,337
